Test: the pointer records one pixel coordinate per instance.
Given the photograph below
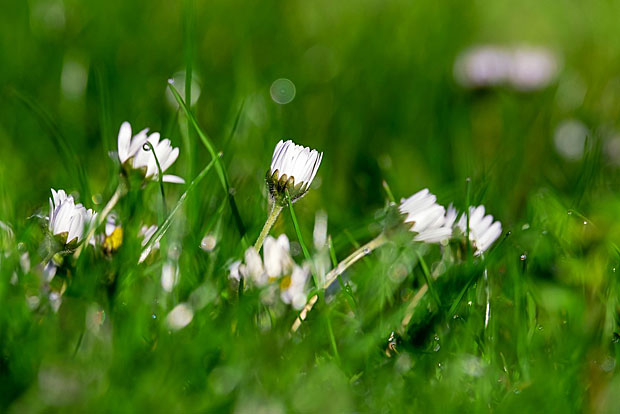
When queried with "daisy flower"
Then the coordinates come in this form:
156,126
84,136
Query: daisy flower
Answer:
429,220
67,220
293,168
276,264
483,232
277,256
133,153
292,288
112,238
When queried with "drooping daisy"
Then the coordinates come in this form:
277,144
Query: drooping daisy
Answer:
293,167
135,154
483,232
67,220
429,220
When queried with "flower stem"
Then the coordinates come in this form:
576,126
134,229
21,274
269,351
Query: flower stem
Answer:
273,215
378,241
100,218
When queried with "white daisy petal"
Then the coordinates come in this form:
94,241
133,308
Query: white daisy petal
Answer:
124,138
167,178
143,159
483,232
296,161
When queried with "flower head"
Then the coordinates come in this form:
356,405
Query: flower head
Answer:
429,220
292,288
293,168
136,154
482,230
276,265
68,220
277,256
112,237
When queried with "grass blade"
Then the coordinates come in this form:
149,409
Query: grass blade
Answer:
161,231
221,172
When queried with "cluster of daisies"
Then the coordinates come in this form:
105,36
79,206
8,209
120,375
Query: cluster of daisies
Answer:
70,223
289,178
429,222
433,223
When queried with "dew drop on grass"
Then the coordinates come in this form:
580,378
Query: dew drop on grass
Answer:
366,251
154,316
208,243
523,257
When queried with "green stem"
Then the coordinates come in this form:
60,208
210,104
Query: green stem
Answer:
297,229
160,174
219,167
273,216
428,277
332,276
166,224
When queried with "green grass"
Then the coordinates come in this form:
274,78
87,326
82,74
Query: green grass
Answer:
375,92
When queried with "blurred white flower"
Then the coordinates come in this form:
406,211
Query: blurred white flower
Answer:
134,153
234,271
293,167
482,66
24,262
277,256
532,68
169,275
55,299
49,271
180,316
253,268
292,288
277,264
319,234
482,230
430,221
68,220
570,138
524,68
7,229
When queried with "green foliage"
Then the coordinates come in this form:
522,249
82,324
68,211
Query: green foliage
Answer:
375,91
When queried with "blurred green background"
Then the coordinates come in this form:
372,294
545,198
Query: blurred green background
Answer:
375,90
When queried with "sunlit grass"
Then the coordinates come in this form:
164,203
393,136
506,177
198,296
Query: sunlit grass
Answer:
391,325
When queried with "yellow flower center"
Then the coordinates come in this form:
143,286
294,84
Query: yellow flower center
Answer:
285,283
114,240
